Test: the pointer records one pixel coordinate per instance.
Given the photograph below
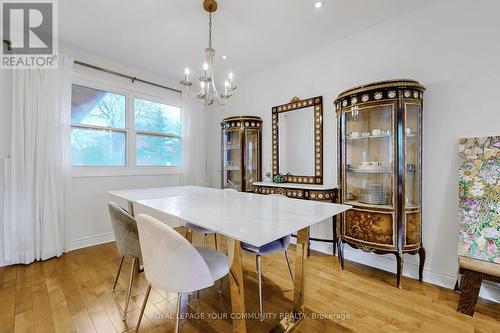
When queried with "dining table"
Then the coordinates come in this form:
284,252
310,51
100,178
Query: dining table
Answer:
254,219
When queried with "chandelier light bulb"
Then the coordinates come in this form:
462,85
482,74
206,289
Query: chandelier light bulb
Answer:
205,66
202,84
231,76
226,84
319,3
186,71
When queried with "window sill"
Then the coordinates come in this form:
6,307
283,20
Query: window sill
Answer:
90,172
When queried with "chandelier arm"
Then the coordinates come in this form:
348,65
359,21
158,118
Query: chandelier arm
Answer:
189,92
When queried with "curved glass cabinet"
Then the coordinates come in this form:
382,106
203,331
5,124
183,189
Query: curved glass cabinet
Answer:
241,152
380,168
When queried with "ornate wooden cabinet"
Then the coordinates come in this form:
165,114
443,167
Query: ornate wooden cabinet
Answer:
241,152
380,169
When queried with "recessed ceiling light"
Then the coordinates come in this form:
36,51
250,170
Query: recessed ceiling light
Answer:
224,57
319,3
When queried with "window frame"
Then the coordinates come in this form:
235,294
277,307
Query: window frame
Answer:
130,168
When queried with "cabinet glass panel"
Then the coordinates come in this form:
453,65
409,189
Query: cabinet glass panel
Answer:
412,155
232,159
251,158
369,151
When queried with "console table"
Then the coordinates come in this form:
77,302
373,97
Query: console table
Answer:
326,193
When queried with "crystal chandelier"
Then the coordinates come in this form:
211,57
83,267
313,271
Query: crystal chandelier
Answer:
208,92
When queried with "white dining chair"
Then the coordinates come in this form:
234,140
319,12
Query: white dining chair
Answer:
266,249
173,264
127,242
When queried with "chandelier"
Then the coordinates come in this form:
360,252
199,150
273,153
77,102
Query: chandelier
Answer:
208,92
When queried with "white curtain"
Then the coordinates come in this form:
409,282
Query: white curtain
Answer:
194,162
37,172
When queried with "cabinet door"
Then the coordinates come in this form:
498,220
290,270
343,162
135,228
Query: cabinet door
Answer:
412,160
231,160
251,158
412,155
369,156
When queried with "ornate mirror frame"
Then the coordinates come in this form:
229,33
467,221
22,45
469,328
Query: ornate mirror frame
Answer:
295,104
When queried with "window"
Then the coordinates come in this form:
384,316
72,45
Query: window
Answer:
158,127
98,133
110,129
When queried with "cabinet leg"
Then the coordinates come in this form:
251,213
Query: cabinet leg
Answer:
334,234
341,253
421,256
399,259
470,286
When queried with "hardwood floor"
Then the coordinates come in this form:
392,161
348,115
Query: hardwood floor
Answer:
73,294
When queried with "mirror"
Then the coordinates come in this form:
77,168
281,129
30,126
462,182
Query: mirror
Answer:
298,140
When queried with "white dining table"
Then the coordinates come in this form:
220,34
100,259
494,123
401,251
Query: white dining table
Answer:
254,219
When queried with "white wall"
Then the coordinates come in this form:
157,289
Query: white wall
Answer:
449,46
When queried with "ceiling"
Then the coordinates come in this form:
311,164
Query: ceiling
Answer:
164,36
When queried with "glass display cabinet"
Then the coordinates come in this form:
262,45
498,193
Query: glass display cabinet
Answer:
380,169
241,152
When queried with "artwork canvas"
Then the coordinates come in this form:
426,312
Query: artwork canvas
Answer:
479,208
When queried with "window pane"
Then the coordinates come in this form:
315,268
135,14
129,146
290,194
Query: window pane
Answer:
155,150
96,107
91,147
156,117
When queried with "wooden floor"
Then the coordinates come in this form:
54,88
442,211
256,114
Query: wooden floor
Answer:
73,294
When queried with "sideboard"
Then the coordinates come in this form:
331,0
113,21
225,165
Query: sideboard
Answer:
327,193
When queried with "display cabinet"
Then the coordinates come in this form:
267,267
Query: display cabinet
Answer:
241,152
380,169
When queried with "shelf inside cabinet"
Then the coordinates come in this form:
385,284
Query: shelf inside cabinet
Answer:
382,171
356,203
360,138
232,168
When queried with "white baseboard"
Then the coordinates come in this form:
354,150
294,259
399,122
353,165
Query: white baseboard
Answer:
489,290
89,241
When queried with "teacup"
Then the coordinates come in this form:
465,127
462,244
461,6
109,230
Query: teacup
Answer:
365,134
355,135
376,131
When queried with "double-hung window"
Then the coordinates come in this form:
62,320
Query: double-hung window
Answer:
158,133
123,129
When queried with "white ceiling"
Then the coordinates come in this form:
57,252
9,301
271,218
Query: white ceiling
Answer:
166,35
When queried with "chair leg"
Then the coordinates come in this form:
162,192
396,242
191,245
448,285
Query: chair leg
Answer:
289,266
178,313
129,291
118,274
215,240
206,240
142,308
259,274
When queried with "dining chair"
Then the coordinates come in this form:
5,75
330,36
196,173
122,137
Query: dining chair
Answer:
266,249
172,264
127,242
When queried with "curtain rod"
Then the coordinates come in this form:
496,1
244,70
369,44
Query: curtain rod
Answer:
132,78
105,70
